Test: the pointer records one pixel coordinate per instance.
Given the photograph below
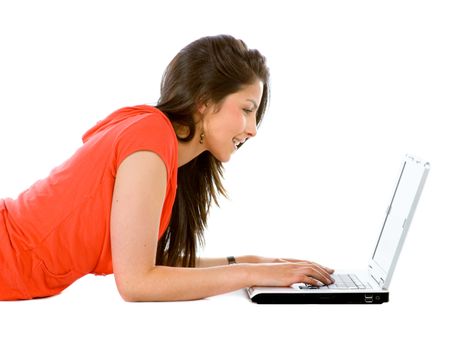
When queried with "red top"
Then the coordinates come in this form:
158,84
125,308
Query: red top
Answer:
59,229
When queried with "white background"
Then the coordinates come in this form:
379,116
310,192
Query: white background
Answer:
355,86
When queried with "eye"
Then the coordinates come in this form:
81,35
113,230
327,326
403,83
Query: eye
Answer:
247,111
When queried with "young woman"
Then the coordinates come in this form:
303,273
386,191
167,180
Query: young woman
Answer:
134,199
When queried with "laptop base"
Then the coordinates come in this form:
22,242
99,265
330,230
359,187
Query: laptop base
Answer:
318,298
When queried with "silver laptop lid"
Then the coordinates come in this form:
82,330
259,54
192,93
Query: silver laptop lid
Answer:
398,219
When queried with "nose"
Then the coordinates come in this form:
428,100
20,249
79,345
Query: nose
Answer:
251,127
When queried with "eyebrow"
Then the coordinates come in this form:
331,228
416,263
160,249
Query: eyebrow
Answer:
254,103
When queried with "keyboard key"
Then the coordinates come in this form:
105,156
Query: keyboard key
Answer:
341,282
346,281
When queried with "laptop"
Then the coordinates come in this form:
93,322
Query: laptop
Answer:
370,286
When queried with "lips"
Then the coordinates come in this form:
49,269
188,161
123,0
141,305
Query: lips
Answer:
237,141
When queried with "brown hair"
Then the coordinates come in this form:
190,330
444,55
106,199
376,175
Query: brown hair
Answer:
206,70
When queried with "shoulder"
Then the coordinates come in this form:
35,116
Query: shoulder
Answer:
150,130
150,118
128,119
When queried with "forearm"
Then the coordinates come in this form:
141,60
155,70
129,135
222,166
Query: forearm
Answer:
221,261
176,283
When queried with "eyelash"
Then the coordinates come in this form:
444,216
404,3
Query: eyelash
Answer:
248,111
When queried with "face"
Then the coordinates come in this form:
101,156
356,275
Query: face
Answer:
233,123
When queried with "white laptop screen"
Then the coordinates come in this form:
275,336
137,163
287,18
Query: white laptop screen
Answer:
399,214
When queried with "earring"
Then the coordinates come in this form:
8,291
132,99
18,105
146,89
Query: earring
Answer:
202,138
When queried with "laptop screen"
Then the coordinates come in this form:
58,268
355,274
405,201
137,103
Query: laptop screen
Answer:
399,214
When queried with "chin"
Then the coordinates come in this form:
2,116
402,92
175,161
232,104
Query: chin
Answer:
222,157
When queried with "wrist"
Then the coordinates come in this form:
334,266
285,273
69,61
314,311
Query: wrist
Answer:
248,259
249,272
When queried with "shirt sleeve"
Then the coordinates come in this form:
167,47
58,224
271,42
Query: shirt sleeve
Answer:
149,132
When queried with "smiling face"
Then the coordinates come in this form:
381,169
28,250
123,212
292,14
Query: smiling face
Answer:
232,122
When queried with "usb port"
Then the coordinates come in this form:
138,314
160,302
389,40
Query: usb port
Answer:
368,298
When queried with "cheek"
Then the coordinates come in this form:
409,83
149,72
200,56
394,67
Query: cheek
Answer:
237,122
230,124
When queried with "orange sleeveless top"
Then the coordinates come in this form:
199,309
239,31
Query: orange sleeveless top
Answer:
59,229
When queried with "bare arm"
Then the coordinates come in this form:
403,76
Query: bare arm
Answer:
203,262
138,198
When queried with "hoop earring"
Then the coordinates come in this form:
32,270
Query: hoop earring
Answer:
202,138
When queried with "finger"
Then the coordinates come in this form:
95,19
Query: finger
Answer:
315,273
320,274
310,281
293,260
328,270
325,270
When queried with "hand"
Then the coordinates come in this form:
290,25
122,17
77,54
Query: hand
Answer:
285,272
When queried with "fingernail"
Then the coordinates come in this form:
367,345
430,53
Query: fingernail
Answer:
319,284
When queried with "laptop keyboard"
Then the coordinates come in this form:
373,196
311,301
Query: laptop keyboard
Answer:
342,282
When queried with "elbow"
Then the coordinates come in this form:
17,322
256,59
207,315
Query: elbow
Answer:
127,294
127,288
136,289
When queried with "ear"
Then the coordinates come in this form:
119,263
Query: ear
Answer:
202,108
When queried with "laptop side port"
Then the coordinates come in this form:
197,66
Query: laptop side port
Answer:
368,298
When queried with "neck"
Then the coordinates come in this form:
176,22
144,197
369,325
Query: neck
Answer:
187,151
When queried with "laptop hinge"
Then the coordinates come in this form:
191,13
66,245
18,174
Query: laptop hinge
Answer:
379,281
377,275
